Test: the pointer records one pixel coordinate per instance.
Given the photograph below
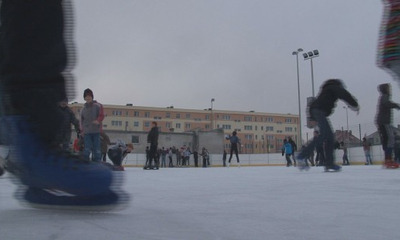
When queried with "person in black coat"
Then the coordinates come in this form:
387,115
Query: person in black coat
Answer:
152,138
196,158
320,109
64,132
383,122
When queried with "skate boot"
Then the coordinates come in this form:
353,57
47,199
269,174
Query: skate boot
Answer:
302,164
333,168
390,164
56,179
3,159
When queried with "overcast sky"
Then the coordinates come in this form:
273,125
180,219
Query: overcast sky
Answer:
185,52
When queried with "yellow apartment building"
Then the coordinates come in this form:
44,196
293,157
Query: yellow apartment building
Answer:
259,132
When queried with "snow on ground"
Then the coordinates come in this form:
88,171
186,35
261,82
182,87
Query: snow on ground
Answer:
361,202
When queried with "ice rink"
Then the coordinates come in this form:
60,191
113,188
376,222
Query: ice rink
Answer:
361,202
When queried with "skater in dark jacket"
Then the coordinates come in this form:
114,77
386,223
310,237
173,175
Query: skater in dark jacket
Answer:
235,142
224,155
345,157
196,158
320,109
152,138
64,132
383,122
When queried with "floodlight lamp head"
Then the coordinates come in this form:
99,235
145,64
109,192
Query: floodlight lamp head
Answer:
316,53
305,55
299,50
310,54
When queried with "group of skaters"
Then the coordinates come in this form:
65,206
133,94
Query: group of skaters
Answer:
181,156
36,64
323,141
92,142
158,158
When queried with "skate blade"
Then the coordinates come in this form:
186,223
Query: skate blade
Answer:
332,170
108,208
122,204
89,209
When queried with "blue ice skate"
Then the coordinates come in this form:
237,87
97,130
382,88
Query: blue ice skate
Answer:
57,179
302,164
333,168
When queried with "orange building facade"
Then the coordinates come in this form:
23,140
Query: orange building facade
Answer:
259,132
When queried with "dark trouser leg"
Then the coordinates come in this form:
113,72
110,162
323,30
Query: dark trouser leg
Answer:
153,154
33,58
326,136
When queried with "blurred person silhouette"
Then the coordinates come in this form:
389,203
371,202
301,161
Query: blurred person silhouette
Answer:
320,109
36,61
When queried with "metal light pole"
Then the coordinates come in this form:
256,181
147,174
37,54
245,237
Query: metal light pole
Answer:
347,119
296,53
212,114
310,56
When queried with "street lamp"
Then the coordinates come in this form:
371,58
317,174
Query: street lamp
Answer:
347,119
212,114
296,53
310,56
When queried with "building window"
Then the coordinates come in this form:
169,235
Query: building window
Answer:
226,117
248,146
270,119
136,124
187,115
187,125
116,123
178,125
207,126
288,129
288,120
207,117
135,139
248,118
147,114
116,113
136,114
167,115
248,137
168,125
147,124
270,137
269,128
248,128
226,126
178,115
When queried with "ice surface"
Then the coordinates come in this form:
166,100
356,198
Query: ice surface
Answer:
361,202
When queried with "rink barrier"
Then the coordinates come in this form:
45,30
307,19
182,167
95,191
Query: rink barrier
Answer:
356,156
